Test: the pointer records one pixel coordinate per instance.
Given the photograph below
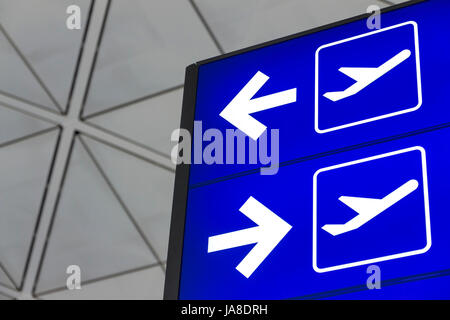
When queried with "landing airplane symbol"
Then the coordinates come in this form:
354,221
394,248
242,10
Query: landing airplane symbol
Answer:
366,76
369,208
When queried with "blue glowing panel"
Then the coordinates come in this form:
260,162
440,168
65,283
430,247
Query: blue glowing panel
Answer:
408,237
410,96
363,178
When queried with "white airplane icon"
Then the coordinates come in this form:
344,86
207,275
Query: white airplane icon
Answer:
369,208
366,76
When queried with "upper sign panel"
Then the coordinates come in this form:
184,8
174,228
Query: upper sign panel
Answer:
327,91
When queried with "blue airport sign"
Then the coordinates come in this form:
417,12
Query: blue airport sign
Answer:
344,179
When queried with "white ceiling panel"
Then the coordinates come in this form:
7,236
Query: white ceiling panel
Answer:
3,297
238,24
17,80
147,284
145,49
6,280
40,32
149,122
145,189
91,229
15,124
24,173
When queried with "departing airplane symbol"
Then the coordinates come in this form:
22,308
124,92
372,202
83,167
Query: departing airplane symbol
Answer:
369,208
366,76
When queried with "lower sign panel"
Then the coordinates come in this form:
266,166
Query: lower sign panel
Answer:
384,205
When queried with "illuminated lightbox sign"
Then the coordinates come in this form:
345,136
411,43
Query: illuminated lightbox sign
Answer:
317,161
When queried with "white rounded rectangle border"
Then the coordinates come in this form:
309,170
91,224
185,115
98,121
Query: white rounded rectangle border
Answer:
384,116
384,258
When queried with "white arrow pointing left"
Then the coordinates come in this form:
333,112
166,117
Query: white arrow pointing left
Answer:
238,111
270,231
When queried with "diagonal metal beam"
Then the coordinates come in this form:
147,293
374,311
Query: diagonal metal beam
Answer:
126,145
207,27
8,292
30,68
65,146
135,101
42,294
76,124
8,275
122,203
389,3
31,110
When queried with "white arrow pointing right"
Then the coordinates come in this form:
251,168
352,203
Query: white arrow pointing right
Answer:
270,231
238,111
